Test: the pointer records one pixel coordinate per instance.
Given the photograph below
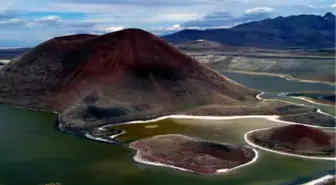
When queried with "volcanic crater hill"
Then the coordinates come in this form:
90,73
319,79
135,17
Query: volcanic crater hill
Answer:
72,66
122,76
298,139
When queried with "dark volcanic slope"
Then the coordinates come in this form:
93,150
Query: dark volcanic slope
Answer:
131,66
293,134
121,76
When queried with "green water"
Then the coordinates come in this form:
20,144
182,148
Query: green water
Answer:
273,85
34,152
276,84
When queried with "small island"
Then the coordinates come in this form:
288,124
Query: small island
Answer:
187,154
295,139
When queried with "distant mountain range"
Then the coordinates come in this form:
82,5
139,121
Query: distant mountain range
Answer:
297,31
10,53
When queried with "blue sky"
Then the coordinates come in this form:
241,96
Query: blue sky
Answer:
30,22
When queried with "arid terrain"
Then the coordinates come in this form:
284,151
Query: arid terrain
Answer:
295,63
209,93
296,139
99,80
196,156
129,75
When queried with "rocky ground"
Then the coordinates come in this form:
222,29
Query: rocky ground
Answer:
296,63
296,139
196,156
95,80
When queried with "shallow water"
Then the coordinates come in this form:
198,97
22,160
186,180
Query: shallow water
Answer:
276,84
276,168
34,152
273,85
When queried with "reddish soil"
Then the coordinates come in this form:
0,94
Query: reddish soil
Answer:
123,76
297,139
125,71
294,133
197,156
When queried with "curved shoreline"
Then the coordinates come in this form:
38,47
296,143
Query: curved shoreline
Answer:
279,152
310,100
321,112
301,104
320,180
116,135
284,76
274,118
258,96
305,99
137,158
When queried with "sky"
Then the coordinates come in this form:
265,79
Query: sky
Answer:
26,23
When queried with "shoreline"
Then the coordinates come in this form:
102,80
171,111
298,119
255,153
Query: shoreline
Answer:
310,100
279,152
274,118
323,179
321,112
287,77
258,96
312,106
116,135
137,158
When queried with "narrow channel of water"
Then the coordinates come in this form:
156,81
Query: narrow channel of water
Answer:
276,84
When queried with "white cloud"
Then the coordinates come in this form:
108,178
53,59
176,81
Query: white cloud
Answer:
112,29
11,21
175,27
316,6
159,16
172,17
50,18
152,3
260,9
